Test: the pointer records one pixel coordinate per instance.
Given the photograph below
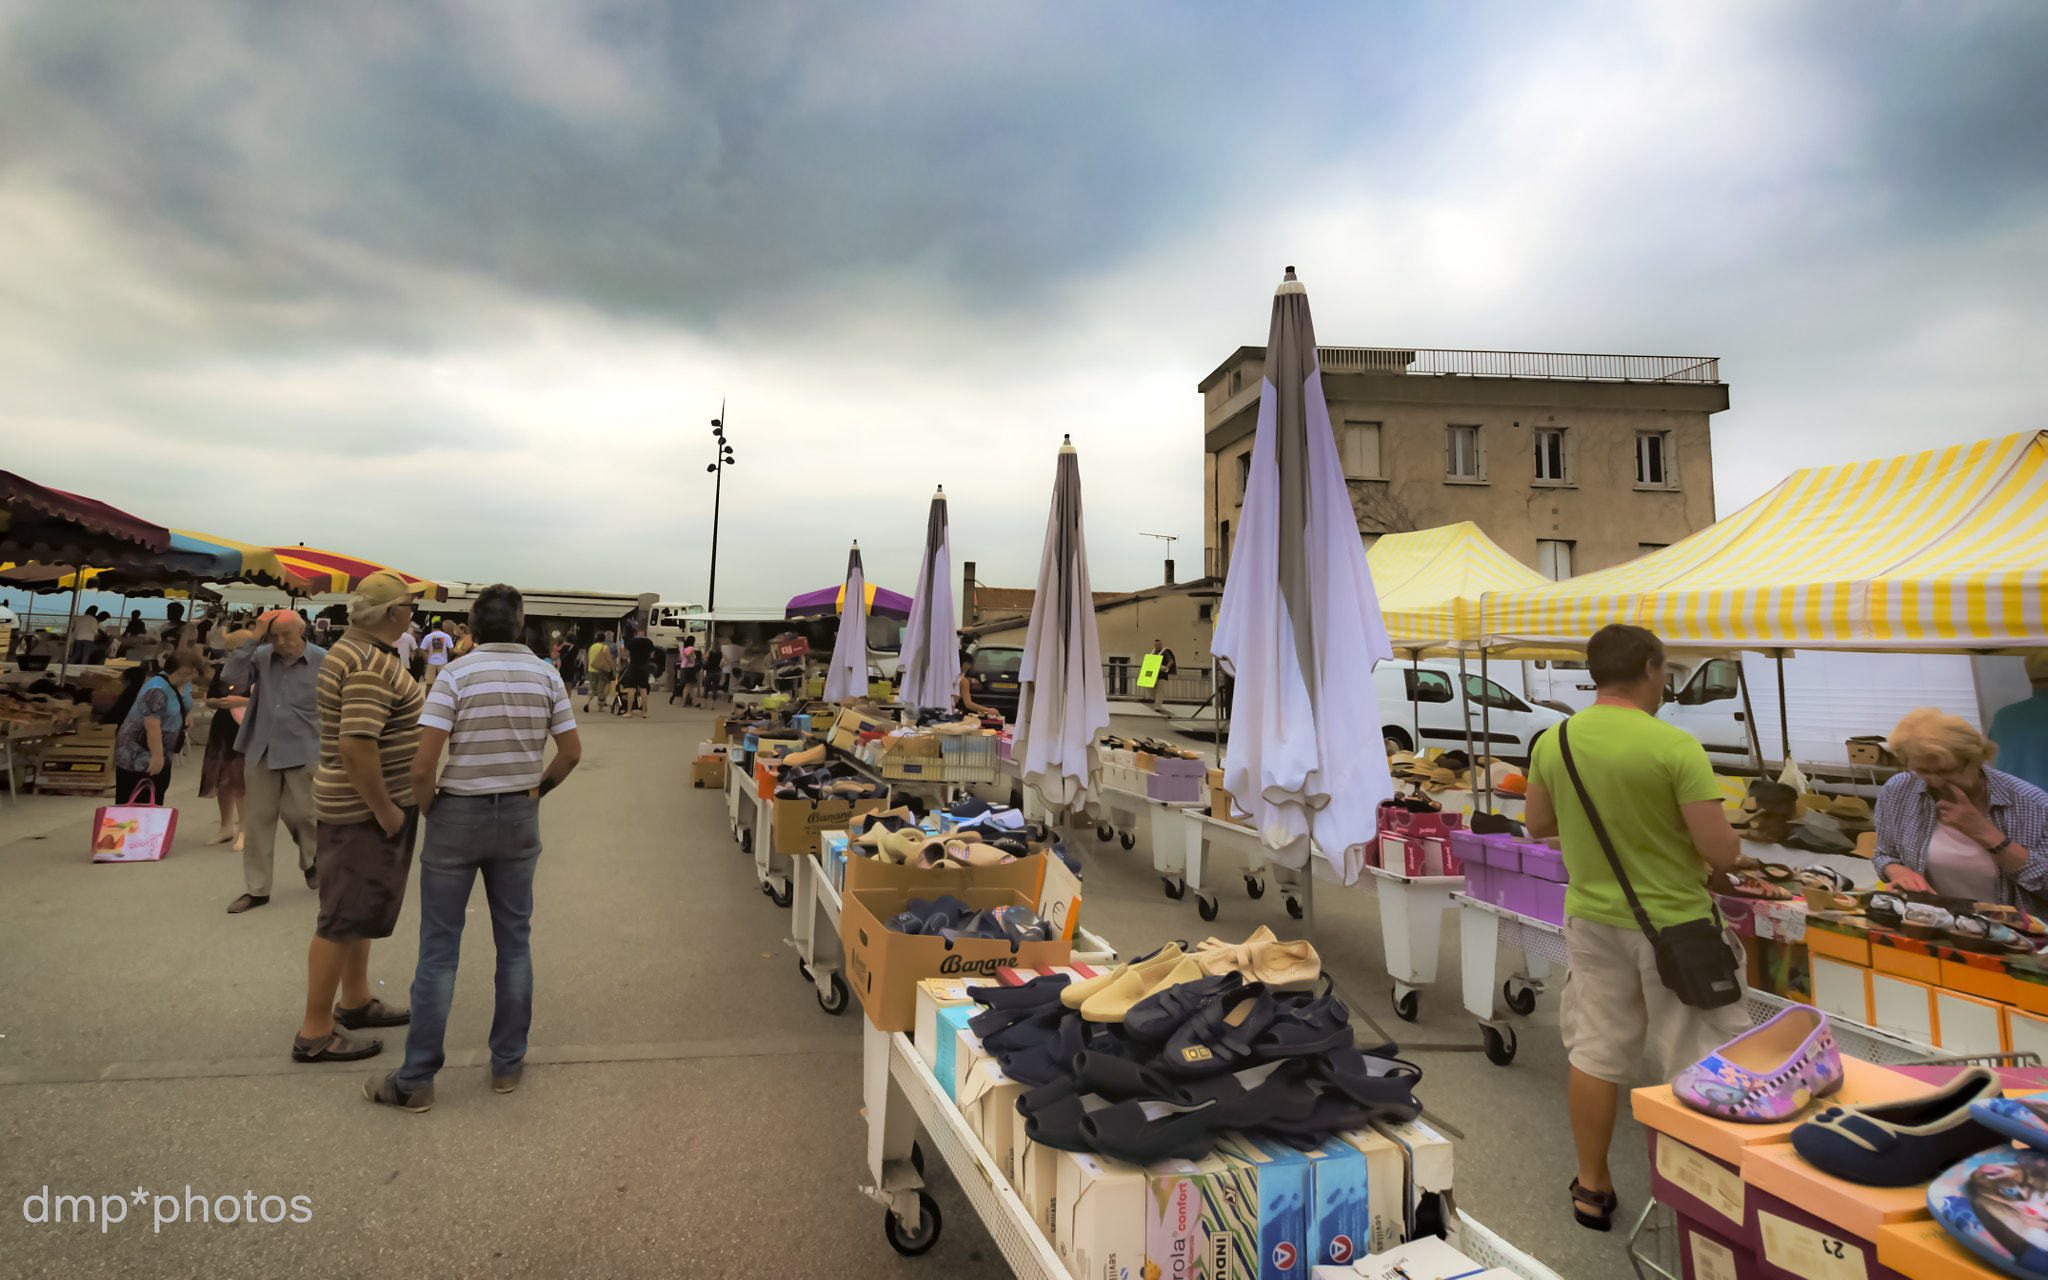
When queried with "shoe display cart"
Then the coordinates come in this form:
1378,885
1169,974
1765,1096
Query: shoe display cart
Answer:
1483,929
816,896
1201,838
1411,928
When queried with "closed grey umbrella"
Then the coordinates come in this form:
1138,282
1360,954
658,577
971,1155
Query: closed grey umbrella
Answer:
931,650
1299,626
1061,705
847,677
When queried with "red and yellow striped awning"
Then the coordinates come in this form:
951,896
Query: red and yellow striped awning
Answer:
330,571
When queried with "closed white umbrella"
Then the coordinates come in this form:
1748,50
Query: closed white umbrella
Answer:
931,649
1299,626
847,677
1061,705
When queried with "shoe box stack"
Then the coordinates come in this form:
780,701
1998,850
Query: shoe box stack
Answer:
1174,779
708,769
1749,1207
1252,1208
1416,844
1120,769
1964,1002
1522,876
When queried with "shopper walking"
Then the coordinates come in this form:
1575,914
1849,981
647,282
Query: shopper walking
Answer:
714,670
153,730
1953,825
1168,668
439,646
220,769
639,679
1653,791
687,674
280,745
363,801
494,710
600,671
83,628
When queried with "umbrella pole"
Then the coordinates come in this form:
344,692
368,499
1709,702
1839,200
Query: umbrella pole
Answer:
1756,750
1465,713
1486,727
64,666
1784,724
1415,694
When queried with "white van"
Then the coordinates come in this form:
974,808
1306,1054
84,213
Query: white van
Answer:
669,621
1429,692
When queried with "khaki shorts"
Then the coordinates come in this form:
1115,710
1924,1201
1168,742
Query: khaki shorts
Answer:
362,874
1614,1006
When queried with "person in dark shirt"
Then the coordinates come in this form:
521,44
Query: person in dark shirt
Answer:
639,674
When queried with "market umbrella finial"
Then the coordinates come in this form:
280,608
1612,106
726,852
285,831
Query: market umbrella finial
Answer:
1299,626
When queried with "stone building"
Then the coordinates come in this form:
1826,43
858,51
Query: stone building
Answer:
1570,462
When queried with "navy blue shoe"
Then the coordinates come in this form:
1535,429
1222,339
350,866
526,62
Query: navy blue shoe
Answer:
1901,1144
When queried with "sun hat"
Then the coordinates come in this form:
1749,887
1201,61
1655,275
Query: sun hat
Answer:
385,587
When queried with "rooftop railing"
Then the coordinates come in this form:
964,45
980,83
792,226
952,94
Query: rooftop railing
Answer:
1520,364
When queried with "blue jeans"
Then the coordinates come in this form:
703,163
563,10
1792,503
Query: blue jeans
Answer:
500,837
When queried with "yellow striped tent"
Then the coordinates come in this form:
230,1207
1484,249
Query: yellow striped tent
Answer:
1936,551
1429,584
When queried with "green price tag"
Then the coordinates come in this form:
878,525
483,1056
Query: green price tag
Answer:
1149,674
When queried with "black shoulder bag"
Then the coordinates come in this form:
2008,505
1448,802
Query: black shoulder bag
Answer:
1693,958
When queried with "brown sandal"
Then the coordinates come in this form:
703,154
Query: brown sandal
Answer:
1605,1201
336,1046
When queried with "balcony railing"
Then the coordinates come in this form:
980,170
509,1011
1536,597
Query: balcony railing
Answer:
1187,685
1520,364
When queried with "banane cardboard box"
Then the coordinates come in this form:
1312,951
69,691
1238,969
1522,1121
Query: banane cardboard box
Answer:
1426,1165
988,1100
1265,1207
1099,1217
1339,1220
1386,1176
884,967
799,823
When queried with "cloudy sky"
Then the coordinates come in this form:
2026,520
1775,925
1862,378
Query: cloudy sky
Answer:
458,286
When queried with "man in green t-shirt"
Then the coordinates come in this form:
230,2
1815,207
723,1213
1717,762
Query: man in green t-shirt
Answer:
1655,791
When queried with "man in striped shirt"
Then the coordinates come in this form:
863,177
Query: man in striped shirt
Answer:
493,709
365,817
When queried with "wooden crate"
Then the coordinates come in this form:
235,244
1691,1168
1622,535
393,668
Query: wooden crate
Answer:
77,764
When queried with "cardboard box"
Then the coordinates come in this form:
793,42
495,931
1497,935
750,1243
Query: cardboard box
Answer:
1708,1254
1839,940
1430,1258
799,823
719,731
1792,1244
1100,1217
1059,898
1035,1181
1780,1174
1272,1183
1339,1220
1700,1187
1906,957
1862,1082
883,967
1426,1165
846,730
1385,1178
954,1042
934,994
708,772
1869,749
988,1101
1983,976
1925,1251
1176,1235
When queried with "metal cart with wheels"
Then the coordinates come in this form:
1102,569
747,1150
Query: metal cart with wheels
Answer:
1411,925
1482,930
815,894
1201,837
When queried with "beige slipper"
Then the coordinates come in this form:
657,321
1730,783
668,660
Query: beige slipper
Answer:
1114,1001
1077,993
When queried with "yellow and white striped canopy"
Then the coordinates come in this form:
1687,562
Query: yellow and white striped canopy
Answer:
1429,584
1930,551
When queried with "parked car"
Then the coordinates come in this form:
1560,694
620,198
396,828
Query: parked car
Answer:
1498,722
994,673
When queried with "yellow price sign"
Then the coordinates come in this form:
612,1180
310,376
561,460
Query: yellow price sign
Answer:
1148,675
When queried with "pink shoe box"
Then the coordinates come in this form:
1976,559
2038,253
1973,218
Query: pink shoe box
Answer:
1177,767
1703,1190
1183,788
1545,899
1709,1254
1521,896
1438,858
1500,886
1785,1203
1476,874
1468,848
1543,862
1502,853
1400,853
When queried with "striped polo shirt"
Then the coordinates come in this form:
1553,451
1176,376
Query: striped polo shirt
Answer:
499,705
364,693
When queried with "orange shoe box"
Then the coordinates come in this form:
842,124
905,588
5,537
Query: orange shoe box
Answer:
1858,1210
1838,940
1906,957
1862,1082
1983,976
1926,1251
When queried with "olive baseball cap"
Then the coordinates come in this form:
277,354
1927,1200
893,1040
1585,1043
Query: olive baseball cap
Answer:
385,587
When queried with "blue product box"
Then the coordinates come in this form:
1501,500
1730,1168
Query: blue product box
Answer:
951,1022
1340,1217
1264,1212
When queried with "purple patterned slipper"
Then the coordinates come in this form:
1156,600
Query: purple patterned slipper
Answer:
1768,1073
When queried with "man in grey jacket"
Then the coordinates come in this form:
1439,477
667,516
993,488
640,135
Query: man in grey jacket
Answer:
280,743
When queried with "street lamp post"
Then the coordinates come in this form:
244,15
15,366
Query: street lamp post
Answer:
717,469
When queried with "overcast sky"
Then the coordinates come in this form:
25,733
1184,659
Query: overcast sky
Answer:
458,286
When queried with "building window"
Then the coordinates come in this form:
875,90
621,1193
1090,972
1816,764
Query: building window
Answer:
1550,454
1202,612
1462,458
1654,469
1223,549
1359,447
1244,475
1554,559
1236,381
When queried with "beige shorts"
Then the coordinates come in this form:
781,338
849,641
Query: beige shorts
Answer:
1614,1006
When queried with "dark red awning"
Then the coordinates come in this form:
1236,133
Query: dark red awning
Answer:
54,527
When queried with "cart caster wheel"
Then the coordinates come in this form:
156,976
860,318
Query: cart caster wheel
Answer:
1500,1046
834,1001
780,899
1522,1002
1294,907
805,970
1105,832
1174,891
1409,1007
747,841
1205,906
1127,840
912,1243
1254,888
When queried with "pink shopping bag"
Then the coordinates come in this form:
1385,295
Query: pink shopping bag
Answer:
133,832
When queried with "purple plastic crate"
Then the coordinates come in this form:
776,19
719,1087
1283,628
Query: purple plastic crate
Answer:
1177,767
1543,862
1547,902
1174,788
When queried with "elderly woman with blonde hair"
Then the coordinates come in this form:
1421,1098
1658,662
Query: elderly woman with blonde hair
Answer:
1953,825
